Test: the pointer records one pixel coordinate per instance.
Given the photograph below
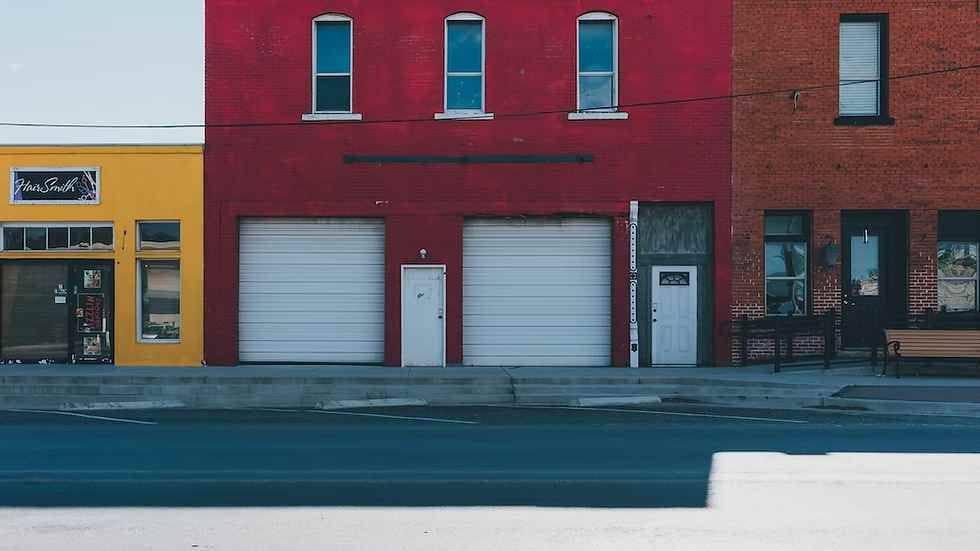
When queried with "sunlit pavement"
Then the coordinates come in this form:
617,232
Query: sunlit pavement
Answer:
486,478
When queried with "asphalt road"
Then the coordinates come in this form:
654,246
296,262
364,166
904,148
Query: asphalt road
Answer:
486,478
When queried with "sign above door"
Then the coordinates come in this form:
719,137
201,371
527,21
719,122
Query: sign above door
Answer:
52,186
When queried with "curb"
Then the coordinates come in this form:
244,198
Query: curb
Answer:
384,402
108,406
616,401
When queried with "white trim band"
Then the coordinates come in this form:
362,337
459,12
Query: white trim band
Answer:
598,116
332,117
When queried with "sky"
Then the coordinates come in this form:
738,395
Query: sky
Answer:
101,61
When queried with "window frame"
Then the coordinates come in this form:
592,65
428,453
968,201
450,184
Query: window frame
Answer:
317,114
803,237
883,117
975,279
49,225
139,236
958,229
596,112
140,262
466,114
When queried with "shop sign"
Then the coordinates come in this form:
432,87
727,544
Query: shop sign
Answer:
53,186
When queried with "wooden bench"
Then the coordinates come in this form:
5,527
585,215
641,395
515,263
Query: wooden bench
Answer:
931,344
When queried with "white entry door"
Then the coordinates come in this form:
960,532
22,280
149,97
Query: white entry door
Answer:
675,315
423,316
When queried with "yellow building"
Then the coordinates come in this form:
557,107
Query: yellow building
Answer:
102,255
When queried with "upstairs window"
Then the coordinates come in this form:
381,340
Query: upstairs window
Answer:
332,64
465,57
598,60
787,263
863,91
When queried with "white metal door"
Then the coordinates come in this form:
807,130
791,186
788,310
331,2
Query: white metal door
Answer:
311,290
537,292
423,316
675,315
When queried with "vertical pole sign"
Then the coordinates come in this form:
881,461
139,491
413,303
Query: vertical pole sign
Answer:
634,325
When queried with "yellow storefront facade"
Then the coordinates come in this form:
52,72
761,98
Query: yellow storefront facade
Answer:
102,255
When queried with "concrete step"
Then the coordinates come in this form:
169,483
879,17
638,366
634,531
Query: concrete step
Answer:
905,407
760,402
675,390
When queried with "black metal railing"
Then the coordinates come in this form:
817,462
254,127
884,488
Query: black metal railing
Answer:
786,329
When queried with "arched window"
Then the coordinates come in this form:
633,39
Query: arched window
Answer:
333,71
465,82
598,62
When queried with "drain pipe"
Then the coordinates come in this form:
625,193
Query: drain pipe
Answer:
634,325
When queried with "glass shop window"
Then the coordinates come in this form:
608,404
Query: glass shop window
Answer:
786,264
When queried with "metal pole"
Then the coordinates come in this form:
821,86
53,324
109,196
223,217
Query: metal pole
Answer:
634,324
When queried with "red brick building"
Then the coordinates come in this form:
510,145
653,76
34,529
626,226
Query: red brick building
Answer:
450,182
859,192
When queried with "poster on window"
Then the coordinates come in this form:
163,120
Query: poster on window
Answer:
92,345
92,279
79,186
91,312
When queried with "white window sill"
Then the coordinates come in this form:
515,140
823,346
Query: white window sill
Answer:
598,116
463,116
332,116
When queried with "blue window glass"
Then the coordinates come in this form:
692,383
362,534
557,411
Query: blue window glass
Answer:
596,92
464,45
333,47
464,92
333,93
595,46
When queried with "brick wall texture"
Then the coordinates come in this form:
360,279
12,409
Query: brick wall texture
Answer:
789,155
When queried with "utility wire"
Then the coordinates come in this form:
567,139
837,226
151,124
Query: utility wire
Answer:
678,101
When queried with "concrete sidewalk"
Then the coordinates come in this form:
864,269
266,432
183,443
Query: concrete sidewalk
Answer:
852,387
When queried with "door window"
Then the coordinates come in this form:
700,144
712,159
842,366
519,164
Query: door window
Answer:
865,269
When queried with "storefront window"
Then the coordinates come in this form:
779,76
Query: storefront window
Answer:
159,300
958,276
957,259
786,257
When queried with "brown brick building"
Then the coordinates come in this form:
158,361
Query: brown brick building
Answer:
860,192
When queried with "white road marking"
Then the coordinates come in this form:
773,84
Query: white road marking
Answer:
84,415
379,415
658,412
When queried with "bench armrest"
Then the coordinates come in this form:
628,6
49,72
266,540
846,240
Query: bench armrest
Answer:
895,347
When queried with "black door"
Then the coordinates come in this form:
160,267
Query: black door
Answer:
874,270
92,309
34,312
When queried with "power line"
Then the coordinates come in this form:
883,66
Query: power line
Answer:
678,101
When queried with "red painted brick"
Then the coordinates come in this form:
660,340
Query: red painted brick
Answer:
258,60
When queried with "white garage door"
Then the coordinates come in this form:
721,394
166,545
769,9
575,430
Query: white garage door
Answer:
537,292
311,290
